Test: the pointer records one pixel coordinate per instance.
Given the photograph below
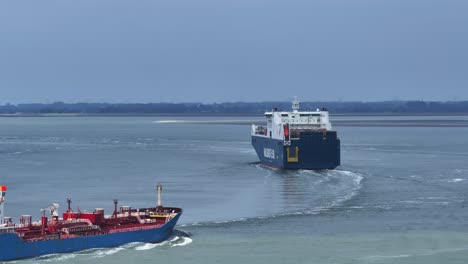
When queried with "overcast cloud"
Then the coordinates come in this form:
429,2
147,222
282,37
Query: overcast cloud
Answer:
239,50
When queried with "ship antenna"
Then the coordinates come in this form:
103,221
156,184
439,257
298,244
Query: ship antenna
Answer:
295,104
159,190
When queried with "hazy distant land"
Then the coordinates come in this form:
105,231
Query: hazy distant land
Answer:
365,114
236,108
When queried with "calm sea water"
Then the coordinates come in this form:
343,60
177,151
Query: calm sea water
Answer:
400,195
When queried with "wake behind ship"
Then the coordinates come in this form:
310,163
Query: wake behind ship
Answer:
297,140
77,231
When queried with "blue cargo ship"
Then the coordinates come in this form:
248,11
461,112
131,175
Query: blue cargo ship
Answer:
77,231
297,140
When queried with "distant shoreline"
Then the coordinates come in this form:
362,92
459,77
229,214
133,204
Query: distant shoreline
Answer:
212,114
384,108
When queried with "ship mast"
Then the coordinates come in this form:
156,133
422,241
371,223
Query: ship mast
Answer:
295,105
3,190
159,190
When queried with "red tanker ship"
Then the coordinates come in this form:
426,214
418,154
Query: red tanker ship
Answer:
78,230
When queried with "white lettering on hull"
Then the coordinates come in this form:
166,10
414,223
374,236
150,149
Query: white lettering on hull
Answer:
269,153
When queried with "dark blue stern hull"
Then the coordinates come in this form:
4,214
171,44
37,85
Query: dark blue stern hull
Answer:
312,150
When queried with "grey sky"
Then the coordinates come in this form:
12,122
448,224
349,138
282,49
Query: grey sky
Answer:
238,50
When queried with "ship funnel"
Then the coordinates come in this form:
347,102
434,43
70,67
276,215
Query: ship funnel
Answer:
159,190
3,190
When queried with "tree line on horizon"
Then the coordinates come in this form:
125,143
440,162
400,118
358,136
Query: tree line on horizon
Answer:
235,107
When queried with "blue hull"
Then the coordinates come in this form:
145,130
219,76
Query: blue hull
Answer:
12,247
311,151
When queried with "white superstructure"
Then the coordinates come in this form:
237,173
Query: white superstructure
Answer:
286,125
